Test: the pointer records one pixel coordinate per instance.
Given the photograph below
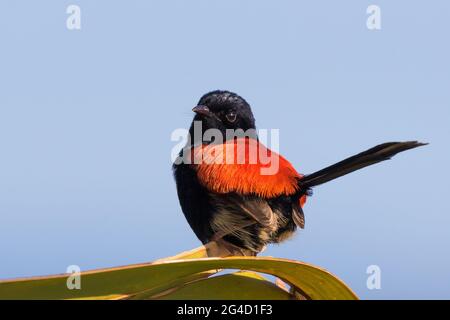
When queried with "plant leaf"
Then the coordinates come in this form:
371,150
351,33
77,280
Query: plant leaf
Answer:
157,277
243,285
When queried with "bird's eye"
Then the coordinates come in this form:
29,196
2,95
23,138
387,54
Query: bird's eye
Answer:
231,117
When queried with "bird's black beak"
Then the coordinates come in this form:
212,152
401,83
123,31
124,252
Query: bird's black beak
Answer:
202,110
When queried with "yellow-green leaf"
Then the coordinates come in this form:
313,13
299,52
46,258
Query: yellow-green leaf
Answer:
153,278
243,285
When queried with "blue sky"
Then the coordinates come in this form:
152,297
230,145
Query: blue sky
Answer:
86,118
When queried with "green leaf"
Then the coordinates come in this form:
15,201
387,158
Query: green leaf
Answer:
150,279
243,285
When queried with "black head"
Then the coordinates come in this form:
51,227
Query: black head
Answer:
224,110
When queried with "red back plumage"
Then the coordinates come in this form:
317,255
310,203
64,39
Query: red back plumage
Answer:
244,166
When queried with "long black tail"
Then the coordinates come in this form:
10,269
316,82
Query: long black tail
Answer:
374,155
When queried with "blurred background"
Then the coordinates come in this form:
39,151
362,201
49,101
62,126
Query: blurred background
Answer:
86,117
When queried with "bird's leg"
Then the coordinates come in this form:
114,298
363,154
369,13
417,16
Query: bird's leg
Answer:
223,248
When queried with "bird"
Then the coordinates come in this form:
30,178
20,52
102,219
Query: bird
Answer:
232,203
